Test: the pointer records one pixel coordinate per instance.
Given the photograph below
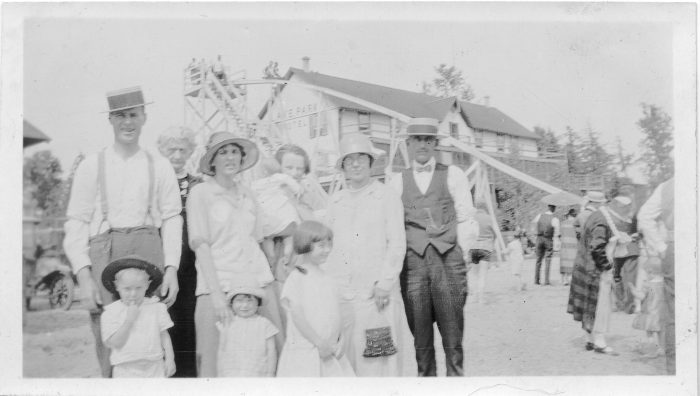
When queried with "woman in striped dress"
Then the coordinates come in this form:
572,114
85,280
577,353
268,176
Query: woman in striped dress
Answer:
569,246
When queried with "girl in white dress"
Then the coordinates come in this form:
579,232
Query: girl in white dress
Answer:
246,343
313,347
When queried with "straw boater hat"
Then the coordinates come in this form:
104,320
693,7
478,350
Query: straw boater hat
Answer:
245,289
421,127
595,196
131,261
220,139
354,143
126,98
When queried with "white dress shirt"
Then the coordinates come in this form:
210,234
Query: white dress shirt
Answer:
127,188
458,187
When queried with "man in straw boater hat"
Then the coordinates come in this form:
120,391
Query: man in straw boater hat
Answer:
437,206
547,228
124,200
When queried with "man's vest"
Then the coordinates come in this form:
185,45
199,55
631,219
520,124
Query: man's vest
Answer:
544,226
430,218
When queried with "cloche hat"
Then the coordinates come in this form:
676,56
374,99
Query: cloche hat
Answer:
354,143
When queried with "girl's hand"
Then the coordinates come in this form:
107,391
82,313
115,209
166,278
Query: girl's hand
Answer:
169,367
222,310
132,312
325,350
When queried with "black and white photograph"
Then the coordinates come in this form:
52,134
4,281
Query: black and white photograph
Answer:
218,192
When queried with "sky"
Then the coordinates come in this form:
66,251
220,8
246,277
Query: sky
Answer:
548,64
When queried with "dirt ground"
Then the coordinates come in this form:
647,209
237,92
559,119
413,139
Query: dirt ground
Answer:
512,333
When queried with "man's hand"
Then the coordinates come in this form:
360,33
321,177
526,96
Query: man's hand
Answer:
91,294
170,286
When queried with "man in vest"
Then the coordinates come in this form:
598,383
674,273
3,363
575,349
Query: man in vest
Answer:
655,221
437,206
124,201
547,227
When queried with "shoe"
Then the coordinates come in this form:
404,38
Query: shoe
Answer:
606,350
547,284
589,346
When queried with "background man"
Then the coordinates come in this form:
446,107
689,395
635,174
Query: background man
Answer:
546,227
123,199
437,204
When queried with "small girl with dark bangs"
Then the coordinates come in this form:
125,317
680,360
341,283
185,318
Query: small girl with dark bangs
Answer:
313,347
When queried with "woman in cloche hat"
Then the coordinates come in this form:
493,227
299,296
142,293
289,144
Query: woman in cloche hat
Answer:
368,248
224,234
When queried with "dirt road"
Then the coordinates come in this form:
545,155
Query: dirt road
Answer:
513,333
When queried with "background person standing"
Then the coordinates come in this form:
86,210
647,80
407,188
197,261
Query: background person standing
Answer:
547,228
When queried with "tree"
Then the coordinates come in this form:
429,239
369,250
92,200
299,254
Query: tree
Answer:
657,143
41,174
449,82
623,160
548,141
572,149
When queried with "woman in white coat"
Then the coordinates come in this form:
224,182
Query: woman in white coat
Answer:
368,250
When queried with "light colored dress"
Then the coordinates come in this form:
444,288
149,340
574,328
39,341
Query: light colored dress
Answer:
229,224
316,294
569,246
648,318
142,354
515,256
277,209
369,245
243,347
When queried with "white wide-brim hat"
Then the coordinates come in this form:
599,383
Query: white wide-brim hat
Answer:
595,196
220,139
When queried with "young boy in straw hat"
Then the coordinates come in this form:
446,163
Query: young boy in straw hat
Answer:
135,326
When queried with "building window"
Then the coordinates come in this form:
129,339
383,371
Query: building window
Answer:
323,124
454,130
500,141
313,120
479,139
363,122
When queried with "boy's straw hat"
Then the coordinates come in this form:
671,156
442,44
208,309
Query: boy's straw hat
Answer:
131,261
